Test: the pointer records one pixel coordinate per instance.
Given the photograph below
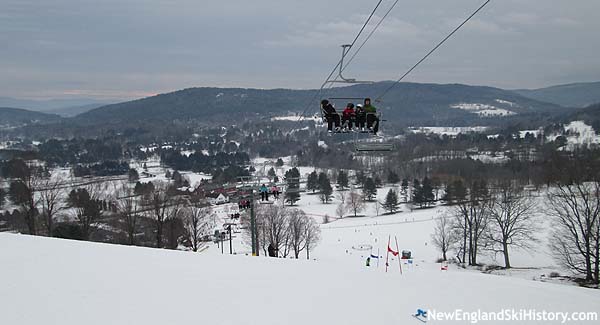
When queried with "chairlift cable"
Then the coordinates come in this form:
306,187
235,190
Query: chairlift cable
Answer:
367,38
433,50
341,60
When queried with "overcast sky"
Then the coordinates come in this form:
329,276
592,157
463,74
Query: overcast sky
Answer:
133,48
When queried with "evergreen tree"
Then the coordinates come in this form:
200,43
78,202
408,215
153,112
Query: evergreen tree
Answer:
279,162
322,180
271,173
459,191
360,178
417,193
392,177
391,201
436,183
2,196
378,182
145,167
168,174
325,188
312,183
449,193
178,180
326,191
342,180
292,193
404,189
369,189
427,192
133,175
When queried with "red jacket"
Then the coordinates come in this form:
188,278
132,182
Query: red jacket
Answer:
348,112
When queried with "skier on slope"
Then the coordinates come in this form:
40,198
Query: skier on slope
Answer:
369,261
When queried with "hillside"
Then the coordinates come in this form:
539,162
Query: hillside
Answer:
17,116
69,282
70,107
570,95
407,103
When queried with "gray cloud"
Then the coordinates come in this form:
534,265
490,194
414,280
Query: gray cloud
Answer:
131,48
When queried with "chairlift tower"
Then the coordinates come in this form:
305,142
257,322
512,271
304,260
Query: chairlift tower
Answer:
249,184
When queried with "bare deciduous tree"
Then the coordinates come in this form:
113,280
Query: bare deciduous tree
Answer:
51,199
355,202
22,192
313,236
298,222
472,216
512,220
288,230
575,210
128,208
443,236
87,203
196,219
340,211
272,227
157,204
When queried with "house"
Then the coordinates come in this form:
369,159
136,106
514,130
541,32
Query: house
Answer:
217,198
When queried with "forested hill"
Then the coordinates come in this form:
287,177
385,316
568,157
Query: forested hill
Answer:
17,116
571,95
409,102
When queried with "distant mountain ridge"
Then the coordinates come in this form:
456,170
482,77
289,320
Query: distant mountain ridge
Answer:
18,116
63,107
406,102
570,95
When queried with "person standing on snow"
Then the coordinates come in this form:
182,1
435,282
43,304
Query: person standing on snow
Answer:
369,261
272,251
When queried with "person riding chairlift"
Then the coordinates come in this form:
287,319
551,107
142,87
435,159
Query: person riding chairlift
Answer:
331,116
361,117
372,119
264,193
348,117
275,191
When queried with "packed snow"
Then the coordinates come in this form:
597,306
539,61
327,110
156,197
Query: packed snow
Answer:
71,282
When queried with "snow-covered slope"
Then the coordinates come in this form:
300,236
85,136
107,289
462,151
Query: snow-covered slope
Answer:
52,281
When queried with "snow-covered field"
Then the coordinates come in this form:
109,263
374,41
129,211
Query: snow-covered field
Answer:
579,133
484,110
55,281
296,118
451,131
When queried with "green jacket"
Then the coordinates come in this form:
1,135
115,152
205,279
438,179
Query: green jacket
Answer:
370,109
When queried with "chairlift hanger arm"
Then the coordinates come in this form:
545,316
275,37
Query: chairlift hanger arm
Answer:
345,49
